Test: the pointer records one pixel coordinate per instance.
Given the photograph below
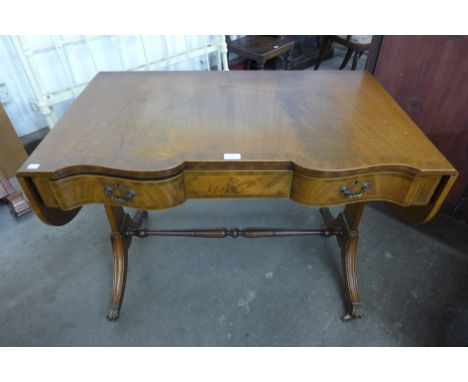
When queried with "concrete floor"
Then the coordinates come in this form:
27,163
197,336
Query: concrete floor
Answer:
55,282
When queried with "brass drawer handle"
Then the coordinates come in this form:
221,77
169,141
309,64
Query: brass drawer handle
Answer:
125,198
348,194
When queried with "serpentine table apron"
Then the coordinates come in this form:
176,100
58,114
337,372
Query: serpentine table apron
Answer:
151,140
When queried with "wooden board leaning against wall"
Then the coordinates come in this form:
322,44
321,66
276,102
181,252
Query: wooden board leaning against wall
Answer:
428,77
12,156
12,153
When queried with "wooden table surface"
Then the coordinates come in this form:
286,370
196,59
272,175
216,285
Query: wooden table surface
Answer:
154,124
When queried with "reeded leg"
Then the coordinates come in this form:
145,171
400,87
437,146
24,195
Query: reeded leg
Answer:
120,246
348,260
120,222
347,222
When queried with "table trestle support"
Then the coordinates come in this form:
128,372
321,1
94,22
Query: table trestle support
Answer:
220,233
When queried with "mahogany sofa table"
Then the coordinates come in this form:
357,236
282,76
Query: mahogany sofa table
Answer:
151,140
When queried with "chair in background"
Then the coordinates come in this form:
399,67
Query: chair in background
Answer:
356,44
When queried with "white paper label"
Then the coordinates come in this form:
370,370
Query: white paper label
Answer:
232,156
33,166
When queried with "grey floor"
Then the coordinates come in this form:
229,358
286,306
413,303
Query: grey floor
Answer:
55,282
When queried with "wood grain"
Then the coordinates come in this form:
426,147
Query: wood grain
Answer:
74,191
255,184
153,124
160,137
396,188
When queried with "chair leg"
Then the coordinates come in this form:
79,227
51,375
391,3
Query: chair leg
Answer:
287,65
355,60
346,59
323,48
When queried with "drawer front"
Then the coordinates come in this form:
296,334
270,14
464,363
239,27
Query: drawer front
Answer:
74,191
238,184
391,187
77,190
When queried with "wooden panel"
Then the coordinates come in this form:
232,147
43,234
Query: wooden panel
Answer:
428,76
77,190
216,184
396,188
12,153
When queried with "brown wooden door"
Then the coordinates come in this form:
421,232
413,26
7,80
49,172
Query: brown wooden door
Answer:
428,76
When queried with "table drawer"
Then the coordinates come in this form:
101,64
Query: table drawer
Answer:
74,191
392,187
238,183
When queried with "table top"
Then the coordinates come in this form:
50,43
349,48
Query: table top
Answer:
155,124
